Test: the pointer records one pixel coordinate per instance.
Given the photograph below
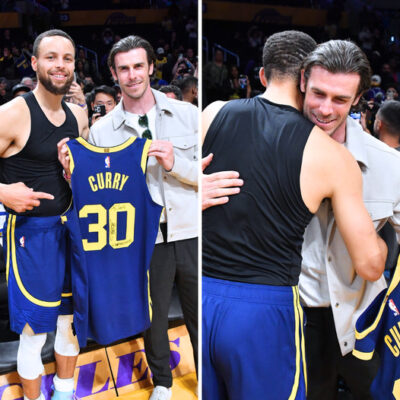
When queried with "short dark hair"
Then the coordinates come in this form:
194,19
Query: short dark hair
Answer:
186,83
172,89
389,113
130,43
340,56
105,89
50,33
284,52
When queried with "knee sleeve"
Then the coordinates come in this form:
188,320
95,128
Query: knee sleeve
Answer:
29,360
66,343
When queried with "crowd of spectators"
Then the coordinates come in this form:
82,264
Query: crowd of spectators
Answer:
175,41
372,29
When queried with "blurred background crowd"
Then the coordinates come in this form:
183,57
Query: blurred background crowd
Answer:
174,39
232,49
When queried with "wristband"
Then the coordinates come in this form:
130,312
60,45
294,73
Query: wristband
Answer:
84,106
66,177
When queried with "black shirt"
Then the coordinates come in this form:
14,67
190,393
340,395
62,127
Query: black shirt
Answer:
257,236
37,163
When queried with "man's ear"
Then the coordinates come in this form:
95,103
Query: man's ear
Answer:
151,69
34,63
356,100
302,82
378,124
114,75
263,79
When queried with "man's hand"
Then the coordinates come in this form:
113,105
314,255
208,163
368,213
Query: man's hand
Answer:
95,117
20,198
75,94
164,153
63,156
218,186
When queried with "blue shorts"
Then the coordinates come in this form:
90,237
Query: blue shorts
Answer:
38,272
253,343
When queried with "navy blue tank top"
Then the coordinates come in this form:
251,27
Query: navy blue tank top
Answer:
257,236
37,163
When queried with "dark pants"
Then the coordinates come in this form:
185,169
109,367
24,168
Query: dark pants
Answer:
171,262
325,361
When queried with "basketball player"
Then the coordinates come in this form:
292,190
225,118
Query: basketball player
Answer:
172,181
35,193
253,342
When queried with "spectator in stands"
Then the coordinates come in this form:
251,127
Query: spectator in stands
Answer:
7,67
392,92
172,91
375,92
240,87
215,76
161,60
387,123
189,88
19,89
103,96
28,81
182,68
191,56
4,97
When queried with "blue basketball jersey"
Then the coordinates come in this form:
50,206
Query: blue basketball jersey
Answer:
378,328
118,223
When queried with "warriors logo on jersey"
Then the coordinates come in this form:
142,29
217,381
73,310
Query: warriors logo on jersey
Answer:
118,223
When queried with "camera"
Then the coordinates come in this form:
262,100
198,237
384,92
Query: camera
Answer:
243,81
100,109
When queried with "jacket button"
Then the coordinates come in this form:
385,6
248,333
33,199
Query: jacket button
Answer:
329,258
345,344
337,305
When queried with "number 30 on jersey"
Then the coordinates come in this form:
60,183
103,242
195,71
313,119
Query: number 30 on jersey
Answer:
110,216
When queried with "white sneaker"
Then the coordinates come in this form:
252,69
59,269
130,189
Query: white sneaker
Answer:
161,393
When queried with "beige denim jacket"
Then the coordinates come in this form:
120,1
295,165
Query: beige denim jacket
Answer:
328,277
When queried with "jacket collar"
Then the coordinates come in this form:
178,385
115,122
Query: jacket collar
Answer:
162,105
355,142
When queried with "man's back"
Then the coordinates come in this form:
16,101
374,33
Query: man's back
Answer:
257,236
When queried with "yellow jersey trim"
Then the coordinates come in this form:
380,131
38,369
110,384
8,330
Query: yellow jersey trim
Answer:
362,356
71,161
393,284
18,278
8,247
295,387
113,149
143,162
66,294
149,297
303,346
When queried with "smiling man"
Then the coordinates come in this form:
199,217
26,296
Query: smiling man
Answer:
172,181
334,77
36,241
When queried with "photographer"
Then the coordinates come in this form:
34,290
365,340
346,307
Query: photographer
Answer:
239,84
104,100
183,67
